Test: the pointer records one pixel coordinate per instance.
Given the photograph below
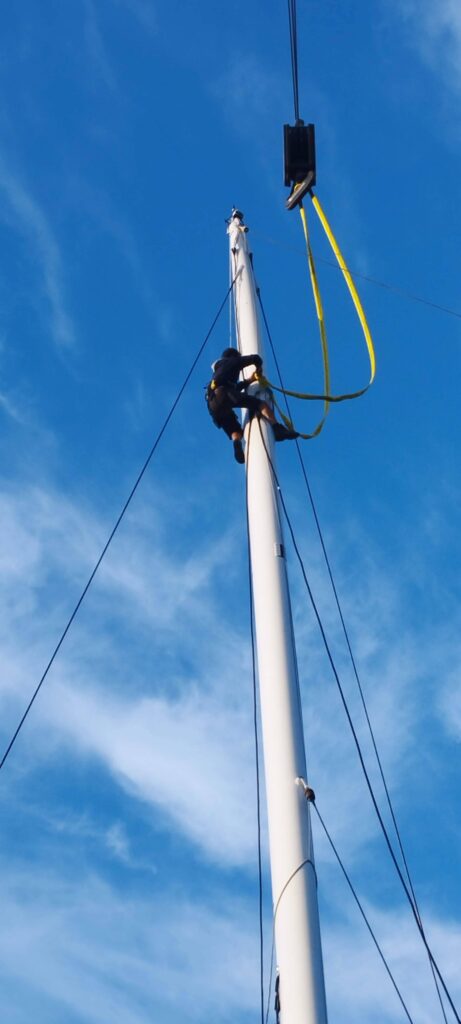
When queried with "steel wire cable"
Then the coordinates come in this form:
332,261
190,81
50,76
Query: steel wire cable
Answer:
362,911
357,743
265,1014
115,527
336,596
356,898
403,292
292,20
349,647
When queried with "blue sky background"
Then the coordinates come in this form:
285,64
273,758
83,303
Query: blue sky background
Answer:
128,856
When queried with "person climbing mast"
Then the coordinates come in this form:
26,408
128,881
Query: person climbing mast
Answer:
227,392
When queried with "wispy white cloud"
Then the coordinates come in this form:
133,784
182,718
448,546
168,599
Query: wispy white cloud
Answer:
67,941
174,728
450,701
144,11
181,745
436,31
102,956
27,217
358,986
176,756
249,91
10,408
96,47
114,225
177,740
112,838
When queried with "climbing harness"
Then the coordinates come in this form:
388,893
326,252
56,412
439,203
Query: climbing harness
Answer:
209,389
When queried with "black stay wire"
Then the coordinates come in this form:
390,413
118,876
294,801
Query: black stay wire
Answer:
294,54
356,898
351,887
256,736
349,647
116,526
403,292
356,741
265,1012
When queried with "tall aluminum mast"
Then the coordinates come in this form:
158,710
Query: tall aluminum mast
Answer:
294,888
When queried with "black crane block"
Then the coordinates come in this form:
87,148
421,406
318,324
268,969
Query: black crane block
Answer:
299,147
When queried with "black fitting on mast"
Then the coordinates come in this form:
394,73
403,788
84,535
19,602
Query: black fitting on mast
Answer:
237,215
300,168
277,1006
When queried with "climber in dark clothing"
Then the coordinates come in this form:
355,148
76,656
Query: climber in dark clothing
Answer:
227,392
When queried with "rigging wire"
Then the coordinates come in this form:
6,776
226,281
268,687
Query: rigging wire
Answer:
403,292
294,54
357,900
256,737
349,647
356,740
351,887
265,1014
115,527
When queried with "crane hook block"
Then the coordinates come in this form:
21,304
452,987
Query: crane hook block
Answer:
299,147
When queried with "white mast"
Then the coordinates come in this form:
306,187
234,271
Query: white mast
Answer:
297,931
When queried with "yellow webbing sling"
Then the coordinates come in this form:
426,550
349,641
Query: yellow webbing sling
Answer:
327,398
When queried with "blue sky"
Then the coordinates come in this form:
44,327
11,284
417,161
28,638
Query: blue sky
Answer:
128,862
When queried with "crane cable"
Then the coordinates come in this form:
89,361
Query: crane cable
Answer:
115,527
402,293
294,54
327,398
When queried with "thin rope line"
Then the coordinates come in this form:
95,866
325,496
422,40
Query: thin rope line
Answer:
114,530
303,864
404,293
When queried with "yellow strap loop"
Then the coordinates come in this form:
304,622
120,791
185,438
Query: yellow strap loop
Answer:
353,293
321,322
327,398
